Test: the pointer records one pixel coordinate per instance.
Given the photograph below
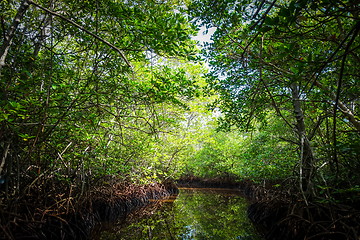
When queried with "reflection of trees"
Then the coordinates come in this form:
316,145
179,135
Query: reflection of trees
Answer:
213,215
156,221
196,214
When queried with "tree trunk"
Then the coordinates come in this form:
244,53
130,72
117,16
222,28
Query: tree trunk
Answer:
306,156
11,32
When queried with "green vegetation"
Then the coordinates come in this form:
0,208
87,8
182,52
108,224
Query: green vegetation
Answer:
118,89
292,64
92,90
254,155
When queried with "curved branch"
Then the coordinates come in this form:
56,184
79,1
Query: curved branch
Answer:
83,29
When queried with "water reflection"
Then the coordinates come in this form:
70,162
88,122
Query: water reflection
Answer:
193,214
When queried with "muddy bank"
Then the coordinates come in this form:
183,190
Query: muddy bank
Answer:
197,182
249,188
69,219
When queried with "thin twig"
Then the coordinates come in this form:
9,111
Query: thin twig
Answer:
83,29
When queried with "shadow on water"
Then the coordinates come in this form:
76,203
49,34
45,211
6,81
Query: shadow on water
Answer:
193,214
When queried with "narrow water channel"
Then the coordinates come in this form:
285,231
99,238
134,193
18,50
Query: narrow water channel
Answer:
193,214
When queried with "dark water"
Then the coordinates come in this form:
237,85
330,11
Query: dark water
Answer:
193,214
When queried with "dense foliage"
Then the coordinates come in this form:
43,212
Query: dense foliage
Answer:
92,89
99,95
256,155
111,88
297,60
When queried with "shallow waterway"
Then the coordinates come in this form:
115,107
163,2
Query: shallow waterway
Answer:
204,213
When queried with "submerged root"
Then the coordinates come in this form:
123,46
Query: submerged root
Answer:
285,219
59,216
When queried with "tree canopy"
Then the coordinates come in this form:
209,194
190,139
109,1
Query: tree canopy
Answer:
118,89
297,60
92,89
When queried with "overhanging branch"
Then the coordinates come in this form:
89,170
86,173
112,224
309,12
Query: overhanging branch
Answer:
83,29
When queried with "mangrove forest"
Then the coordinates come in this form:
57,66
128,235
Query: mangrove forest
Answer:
107,107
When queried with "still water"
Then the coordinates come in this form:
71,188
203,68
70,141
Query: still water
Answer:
193,214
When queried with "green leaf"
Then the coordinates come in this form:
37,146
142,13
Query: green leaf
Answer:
268,21
294,70
4,116
284,12
292,7
265,29
275,21
291,46
28,73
